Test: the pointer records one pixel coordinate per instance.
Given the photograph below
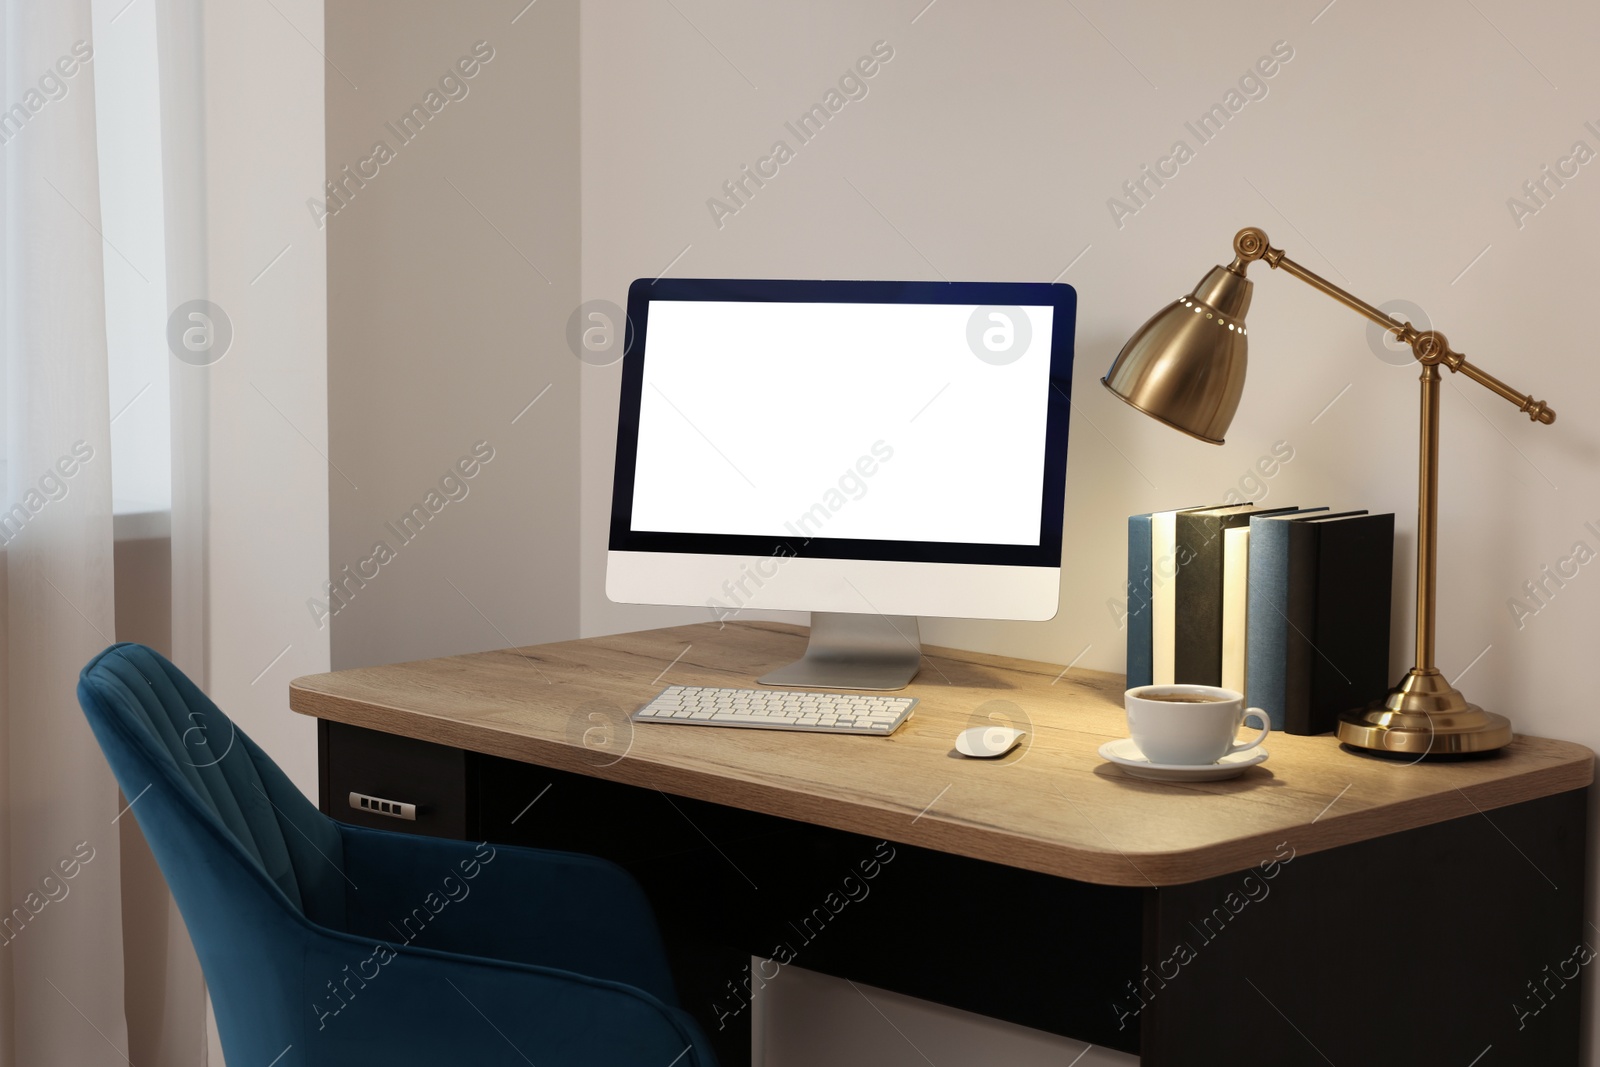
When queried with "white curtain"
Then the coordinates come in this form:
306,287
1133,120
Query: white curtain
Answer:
61,976
95,966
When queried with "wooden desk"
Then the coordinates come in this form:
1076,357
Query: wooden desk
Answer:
1347,904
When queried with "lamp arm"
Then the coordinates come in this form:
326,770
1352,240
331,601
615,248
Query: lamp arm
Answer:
1429,346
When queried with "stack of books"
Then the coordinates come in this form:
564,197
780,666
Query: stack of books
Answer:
1289,606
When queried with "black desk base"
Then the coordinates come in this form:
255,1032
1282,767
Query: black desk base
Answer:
1422,947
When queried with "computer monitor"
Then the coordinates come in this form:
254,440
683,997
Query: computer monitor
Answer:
869,452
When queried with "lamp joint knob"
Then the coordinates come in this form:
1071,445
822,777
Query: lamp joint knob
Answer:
1431,349
1250,244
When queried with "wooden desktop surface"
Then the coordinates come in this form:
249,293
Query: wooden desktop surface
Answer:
1052,805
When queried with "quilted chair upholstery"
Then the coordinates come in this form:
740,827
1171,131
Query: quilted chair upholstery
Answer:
325,944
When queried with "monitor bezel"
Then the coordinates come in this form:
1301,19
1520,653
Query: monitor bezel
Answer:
1060,297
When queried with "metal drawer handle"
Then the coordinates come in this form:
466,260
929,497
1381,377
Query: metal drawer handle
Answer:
395,809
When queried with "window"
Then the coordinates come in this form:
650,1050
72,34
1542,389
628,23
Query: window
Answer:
128,109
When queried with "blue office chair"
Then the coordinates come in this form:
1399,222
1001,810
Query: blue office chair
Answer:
325,944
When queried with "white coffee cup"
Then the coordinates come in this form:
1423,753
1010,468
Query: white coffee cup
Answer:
1189,725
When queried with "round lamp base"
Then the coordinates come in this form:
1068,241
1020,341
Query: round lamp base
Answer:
1425,715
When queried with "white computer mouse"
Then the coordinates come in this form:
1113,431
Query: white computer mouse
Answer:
987,742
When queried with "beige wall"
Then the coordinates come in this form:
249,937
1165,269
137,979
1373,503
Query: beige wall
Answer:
989,147
450,277
1382,155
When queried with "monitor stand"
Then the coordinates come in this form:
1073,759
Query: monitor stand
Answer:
851,651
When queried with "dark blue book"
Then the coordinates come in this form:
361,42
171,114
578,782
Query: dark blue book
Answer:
1140,589
1266,654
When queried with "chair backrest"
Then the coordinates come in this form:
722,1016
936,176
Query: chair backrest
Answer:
216,787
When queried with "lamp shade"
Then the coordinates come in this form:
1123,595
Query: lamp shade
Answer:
1186,365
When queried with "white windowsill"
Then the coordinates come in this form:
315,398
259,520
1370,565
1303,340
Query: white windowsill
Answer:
141,525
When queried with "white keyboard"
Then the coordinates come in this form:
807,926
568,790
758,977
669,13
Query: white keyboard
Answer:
778,709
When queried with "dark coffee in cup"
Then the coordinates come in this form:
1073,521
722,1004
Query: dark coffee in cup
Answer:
1184,698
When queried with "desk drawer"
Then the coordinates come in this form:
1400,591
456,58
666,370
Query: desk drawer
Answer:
395,783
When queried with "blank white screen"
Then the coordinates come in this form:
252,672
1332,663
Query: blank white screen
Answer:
773,419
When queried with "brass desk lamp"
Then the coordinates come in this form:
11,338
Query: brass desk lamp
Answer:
1185,367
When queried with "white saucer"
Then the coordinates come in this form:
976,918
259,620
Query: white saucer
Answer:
1125,754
